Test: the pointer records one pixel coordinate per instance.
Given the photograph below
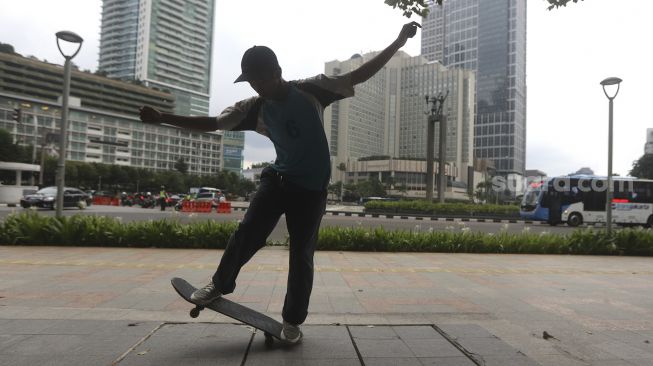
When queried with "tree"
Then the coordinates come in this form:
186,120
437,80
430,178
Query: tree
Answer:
6,48
421,7
181,166
643,167
558,3
401,188
264,164
335,189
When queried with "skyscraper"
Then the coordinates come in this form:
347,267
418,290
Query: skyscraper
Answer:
489,37
165,44
387,116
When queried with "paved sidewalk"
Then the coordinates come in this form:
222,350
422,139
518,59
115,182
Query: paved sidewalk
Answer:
81,306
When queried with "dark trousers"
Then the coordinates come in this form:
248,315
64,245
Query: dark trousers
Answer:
304,210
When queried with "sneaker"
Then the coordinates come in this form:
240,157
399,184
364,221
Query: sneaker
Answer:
206,294
291,333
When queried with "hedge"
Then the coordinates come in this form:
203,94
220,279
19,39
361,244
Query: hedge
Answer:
30,228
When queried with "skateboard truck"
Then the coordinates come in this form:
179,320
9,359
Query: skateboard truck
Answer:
195,312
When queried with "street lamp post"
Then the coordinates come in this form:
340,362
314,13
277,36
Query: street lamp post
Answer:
430,134
61,165
436,115
608,203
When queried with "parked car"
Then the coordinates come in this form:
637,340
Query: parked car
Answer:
46,198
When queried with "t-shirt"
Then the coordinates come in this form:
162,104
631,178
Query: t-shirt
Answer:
295,126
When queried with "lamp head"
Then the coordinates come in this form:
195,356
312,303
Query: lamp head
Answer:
69,37
611,81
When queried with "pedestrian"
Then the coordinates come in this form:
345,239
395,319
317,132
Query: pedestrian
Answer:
290,113
163,198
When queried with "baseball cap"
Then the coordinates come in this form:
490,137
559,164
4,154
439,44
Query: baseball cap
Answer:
259,62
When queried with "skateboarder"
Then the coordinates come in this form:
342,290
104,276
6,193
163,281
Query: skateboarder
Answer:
290,114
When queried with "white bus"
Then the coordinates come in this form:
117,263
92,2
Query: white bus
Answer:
579,199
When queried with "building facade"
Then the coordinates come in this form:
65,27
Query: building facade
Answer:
104,126
386,117
489,37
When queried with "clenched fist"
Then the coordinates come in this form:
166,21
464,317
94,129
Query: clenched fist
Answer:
408,31
150,115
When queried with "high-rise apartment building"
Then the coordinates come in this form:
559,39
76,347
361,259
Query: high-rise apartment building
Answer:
167,45
386,117
489,37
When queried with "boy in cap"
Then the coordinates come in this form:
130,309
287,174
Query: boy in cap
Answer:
290,114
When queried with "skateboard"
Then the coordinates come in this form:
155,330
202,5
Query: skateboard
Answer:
270,327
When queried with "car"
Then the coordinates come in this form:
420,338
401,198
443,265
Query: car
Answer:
46,198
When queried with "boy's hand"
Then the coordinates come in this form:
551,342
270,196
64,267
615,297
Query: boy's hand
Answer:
150,115
407,31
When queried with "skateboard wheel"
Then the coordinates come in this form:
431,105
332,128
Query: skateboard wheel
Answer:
268,338
194,313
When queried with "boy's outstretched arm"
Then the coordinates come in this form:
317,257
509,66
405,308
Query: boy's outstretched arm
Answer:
371,67
153,116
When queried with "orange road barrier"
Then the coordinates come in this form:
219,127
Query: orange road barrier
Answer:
192,206
224,207
203,207
187,206
99,200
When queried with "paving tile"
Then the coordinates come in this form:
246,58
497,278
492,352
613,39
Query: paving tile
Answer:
373,332
417,332
375,348
192,344
508,361
56,360
487,346
9,340
622,350
447,361
465,330
432,348
391,361
25,326
46,345
302,362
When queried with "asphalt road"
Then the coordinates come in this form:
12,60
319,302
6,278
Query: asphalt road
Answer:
131,214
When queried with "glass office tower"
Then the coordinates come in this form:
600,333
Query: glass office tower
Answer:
489,37
165,44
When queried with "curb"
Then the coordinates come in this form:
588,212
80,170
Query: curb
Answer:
434,218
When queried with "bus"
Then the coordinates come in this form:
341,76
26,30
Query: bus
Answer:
578,199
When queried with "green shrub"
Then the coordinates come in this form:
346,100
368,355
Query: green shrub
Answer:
29,228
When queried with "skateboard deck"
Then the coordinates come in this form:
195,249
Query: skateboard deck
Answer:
270,327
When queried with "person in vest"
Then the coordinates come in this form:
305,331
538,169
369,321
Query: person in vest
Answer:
163,198
290,113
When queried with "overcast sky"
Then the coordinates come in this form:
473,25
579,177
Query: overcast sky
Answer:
570,50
